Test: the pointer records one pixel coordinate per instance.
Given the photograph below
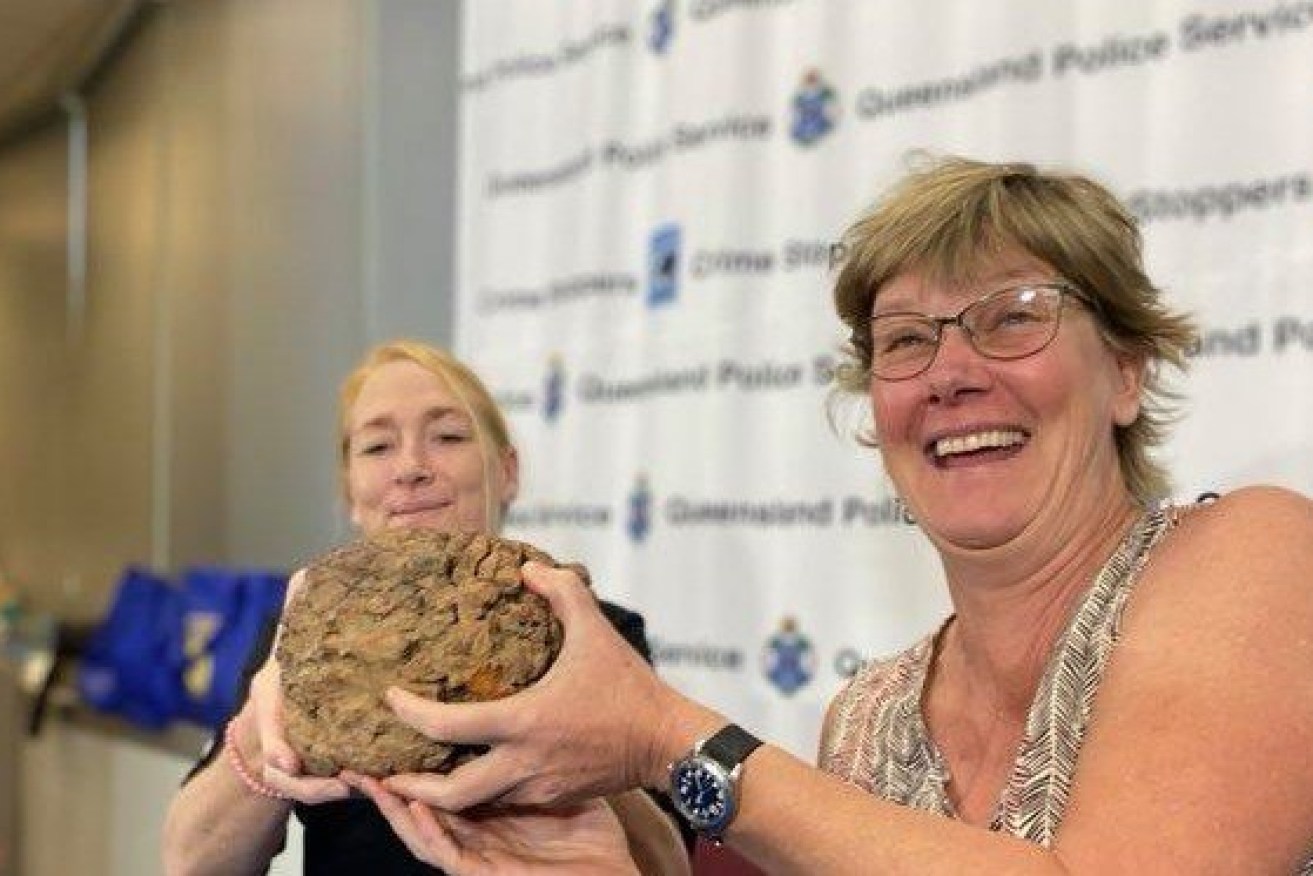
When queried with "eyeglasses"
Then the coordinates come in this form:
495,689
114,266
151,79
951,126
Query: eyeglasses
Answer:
1011,323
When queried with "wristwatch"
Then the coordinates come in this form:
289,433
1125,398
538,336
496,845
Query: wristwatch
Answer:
704,783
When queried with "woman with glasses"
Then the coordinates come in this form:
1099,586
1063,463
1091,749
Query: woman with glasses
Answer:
1124,686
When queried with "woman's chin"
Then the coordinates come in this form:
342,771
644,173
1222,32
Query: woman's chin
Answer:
440,519
977,531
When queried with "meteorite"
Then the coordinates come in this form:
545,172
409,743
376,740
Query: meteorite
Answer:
441,614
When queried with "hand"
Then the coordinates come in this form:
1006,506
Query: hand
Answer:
583,838
655,843
597,723
277,764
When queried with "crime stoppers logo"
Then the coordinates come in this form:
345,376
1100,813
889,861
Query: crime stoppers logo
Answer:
663,258
554,388
661,27
788,660
638,522
815,109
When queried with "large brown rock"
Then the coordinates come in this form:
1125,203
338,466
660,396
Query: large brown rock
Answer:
443,615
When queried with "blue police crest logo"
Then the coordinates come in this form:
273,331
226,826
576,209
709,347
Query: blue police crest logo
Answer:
661,27
663,256
789,660
553,389
639,520
815,109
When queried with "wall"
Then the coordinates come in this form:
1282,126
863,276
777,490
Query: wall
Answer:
268,192
33,368
675,337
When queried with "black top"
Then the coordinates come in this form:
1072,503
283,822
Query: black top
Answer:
345,837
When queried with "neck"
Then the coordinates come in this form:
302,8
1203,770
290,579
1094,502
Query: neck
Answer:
1012,603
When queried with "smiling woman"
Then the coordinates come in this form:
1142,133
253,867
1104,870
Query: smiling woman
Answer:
422,445
1099,664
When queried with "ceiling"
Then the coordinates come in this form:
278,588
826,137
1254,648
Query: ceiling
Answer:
50,46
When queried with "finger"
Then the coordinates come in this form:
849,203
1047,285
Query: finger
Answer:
446,850
463,831
268,700
483,780
563,589
294,585
277,752
305,789
388,803
464,723
433,831
398,815
355,782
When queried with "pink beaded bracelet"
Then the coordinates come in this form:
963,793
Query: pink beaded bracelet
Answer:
239,766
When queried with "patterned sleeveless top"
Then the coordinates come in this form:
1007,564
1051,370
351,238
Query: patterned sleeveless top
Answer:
878,741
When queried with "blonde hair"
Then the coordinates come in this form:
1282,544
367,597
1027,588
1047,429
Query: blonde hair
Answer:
949,212
490,427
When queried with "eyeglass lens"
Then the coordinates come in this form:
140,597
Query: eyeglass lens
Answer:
1008,324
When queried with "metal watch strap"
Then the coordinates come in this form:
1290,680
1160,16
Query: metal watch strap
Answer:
729,746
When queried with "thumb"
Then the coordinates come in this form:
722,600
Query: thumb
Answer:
563,589
462,723
274,745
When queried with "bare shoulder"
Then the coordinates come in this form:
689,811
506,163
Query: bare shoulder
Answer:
1253,509
1231,582
1234,576
1256,540
1213,655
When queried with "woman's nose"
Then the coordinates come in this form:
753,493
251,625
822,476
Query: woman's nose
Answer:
955,370
414,465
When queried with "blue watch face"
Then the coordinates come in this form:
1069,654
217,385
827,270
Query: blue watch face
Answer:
703,791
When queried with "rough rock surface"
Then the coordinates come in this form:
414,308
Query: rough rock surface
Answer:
443,615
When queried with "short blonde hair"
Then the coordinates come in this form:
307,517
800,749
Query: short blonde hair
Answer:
464,383
948,212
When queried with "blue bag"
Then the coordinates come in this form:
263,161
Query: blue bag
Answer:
129,666
224,612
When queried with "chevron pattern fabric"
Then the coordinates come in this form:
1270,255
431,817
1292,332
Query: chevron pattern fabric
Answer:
876,737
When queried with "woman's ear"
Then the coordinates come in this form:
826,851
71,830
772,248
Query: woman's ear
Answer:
1129,391
509,460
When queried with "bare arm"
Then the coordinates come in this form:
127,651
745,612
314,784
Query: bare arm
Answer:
217,824
1196,761
1201,736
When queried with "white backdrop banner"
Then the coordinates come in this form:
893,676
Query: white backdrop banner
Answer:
649,193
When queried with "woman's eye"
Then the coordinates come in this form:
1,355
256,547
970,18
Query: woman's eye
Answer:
901,340
373,448
1015,316
451,437
911,339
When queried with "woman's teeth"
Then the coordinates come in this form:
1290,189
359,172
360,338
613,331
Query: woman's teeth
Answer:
990,440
